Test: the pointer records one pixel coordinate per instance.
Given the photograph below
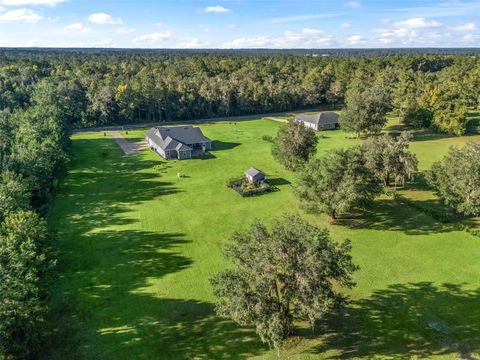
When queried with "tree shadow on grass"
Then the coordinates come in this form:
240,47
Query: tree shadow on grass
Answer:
278,181
407,320
392,215
181,329
223,145
108,307
106,304
103,185
473,126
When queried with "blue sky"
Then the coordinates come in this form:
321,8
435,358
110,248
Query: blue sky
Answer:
239,23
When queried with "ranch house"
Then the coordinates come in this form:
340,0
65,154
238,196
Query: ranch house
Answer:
327,120
179,142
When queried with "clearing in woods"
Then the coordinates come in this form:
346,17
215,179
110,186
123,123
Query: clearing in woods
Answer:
137,246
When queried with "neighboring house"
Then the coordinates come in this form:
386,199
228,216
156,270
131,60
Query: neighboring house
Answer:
327,120
179,142
255,176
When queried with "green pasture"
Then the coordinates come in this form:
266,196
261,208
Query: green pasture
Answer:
137,245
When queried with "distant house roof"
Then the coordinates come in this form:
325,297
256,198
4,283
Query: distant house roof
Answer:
177,138
326,117
255,174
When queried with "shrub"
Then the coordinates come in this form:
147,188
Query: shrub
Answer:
267,138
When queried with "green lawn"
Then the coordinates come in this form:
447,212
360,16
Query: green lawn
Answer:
137,245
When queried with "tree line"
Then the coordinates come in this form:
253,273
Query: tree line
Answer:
33,156
97,88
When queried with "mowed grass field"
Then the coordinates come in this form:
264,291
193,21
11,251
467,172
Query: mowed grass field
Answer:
137,246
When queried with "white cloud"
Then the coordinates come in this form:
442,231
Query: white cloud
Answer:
355,40
159,24
194,43
465,27
24,15
231,26
345,25
103,19
152,39
310,31
216,9
442,9
30,2
471,37
22,43
103,43
307,38
417,23
416,31
353,4
289,19
123,30
78,27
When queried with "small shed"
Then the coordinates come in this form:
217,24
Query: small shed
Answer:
255,176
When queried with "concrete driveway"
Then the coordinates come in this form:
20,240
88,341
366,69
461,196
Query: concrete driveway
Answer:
127,147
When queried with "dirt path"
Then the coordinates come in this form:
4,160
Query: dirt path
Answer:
127,147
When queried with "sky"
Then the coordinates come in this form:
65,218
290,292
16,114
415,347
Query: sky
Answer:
239,23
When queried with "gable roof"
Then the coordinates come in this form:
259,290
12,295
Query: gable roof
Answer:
184,134
255,173
176,138
326,117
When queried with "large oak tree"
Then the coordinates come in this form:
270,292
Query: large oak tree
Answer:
294,145
456,179
292,271
337,183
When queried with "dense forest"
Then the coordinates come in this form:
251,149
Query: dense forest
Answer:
100,87
46,93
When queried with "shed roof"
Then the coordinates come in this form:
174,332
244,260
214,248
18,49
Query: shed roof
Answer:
255,173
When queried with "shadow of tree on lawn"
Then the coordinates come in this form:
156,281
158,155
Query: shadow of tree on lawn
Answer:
407,320
276,181
218,145
103,303
392,215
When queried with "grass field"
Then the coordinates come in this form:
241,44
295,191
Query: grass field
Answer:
137,245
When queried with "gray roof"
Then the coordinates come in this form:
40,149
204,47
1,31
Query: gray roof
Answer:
182,147
255,173
184,134
177,138
326,117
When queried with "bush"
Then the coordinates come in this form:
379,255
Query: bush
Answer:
246,189
267,138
